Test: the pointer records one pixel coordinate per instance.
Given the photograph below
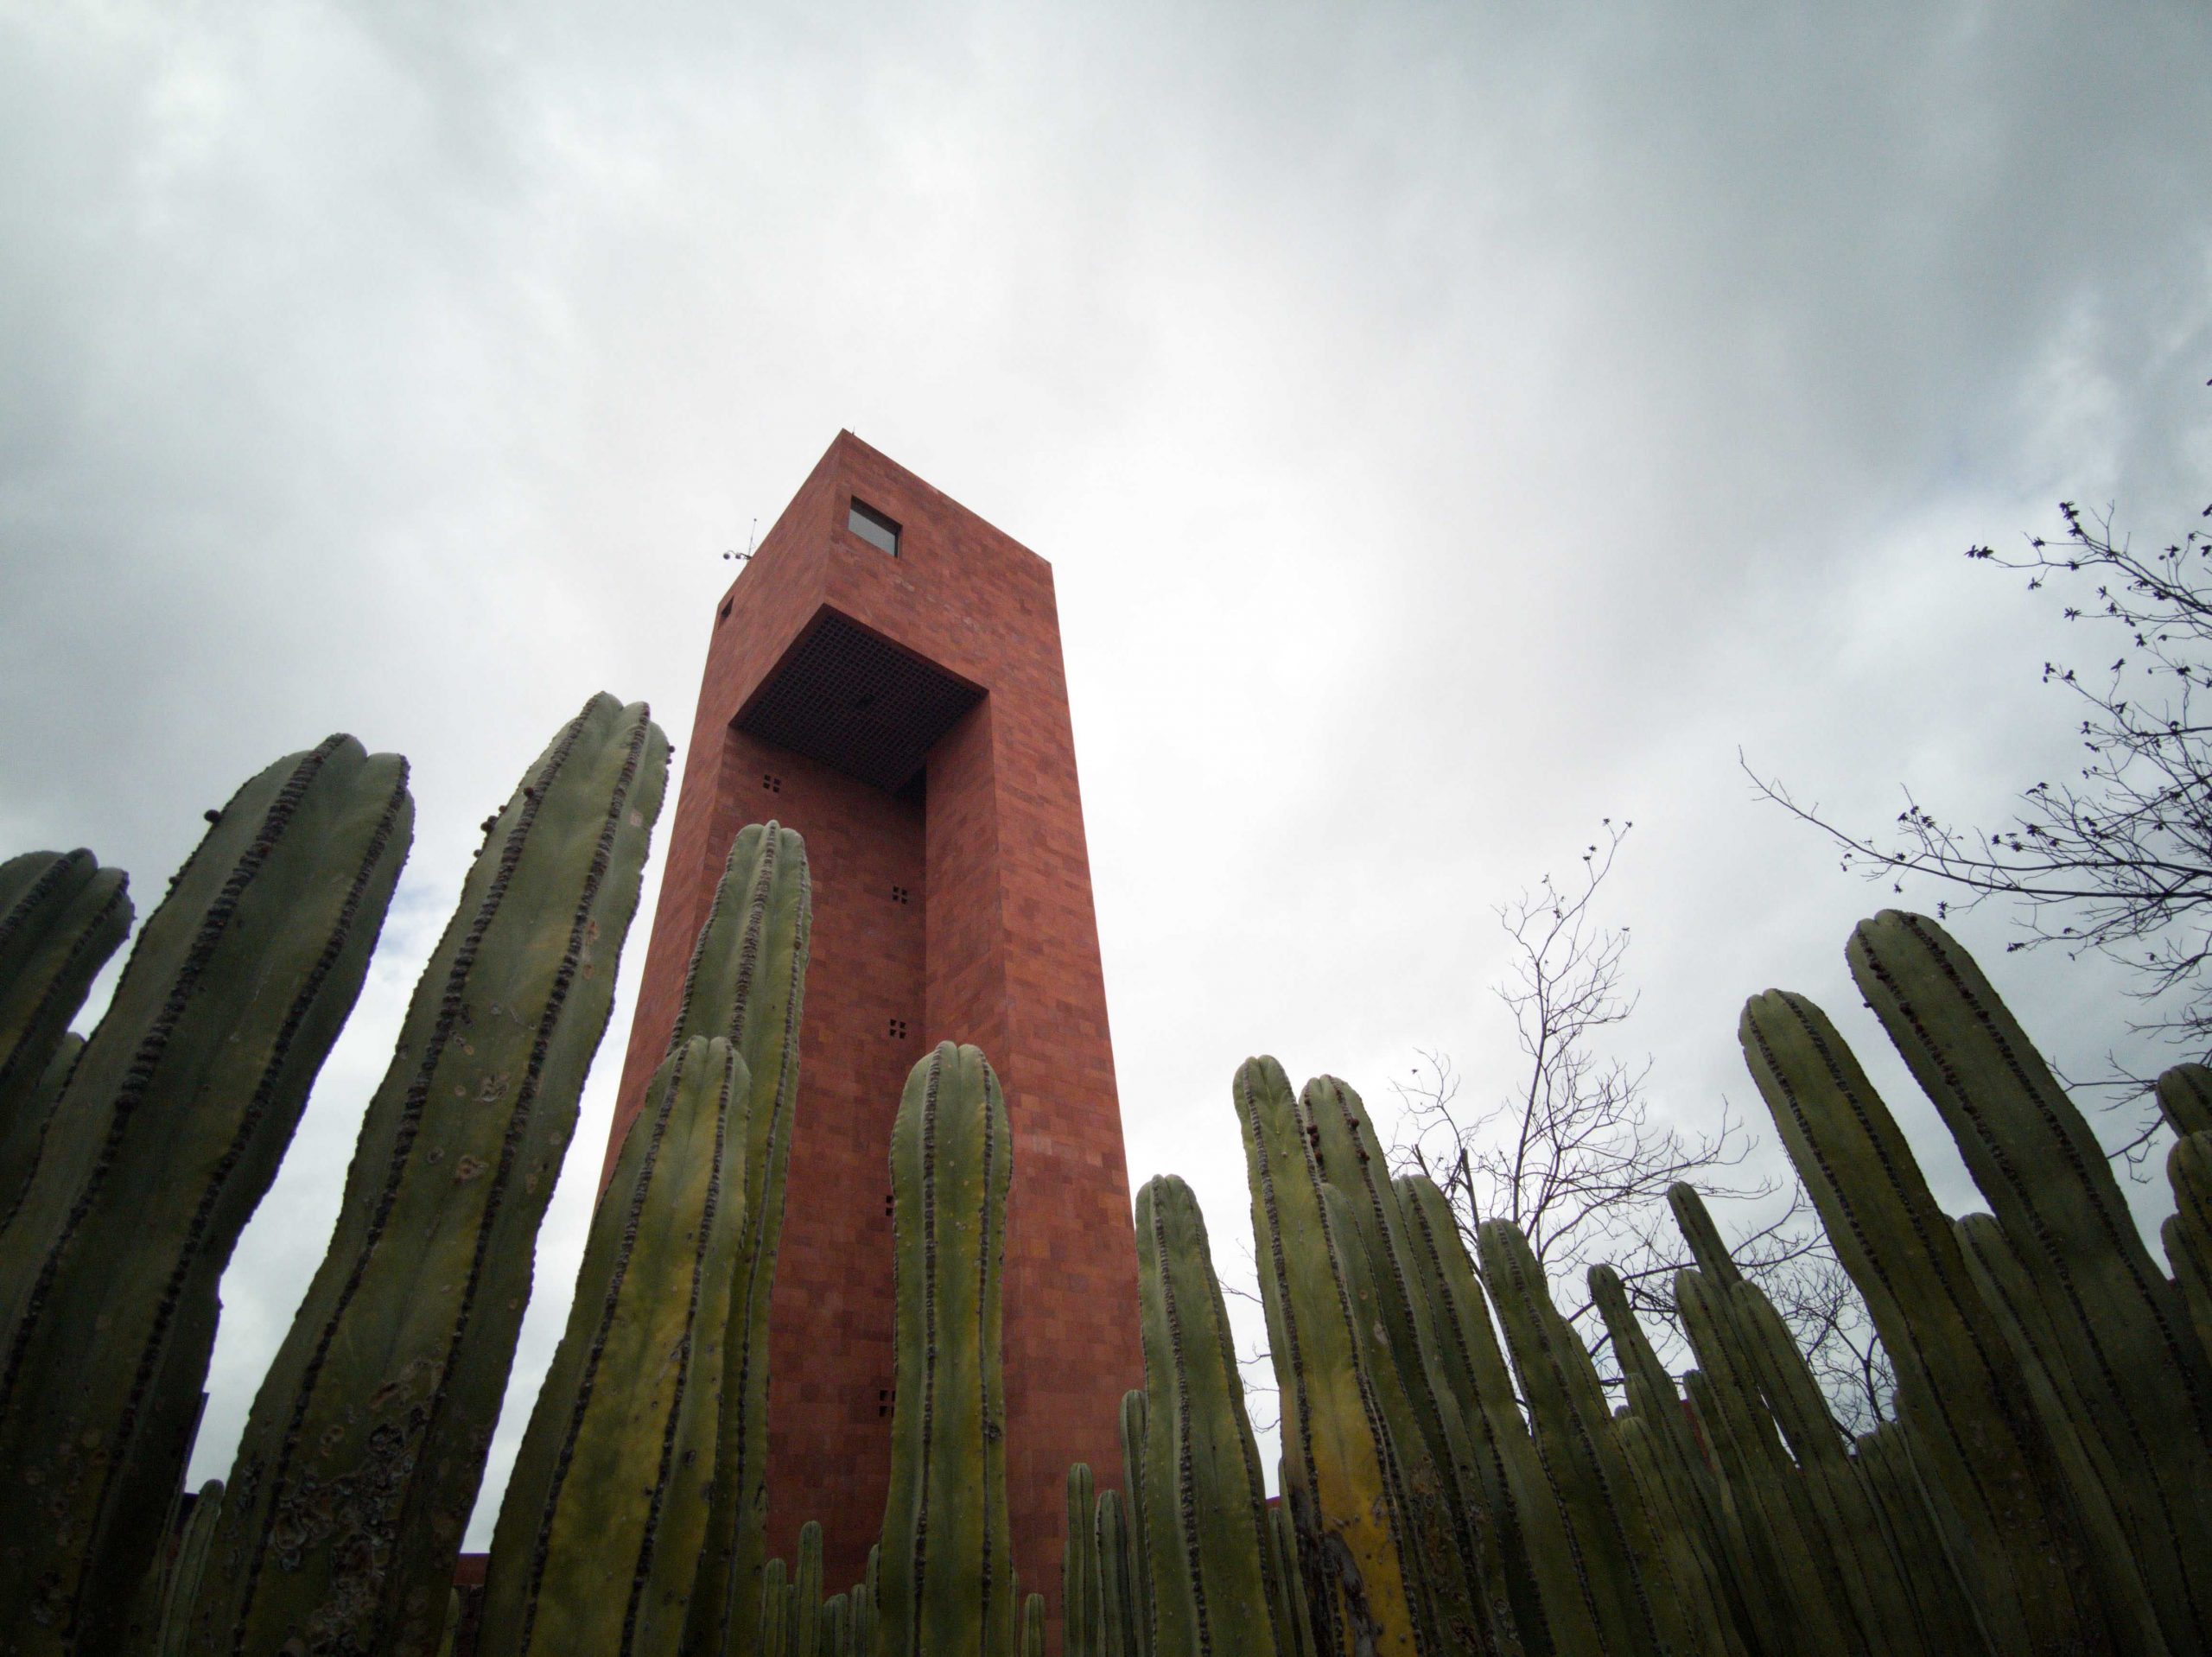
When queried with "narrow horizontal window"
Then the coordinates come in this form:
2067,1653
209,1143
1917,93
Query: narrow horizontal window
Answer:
874,528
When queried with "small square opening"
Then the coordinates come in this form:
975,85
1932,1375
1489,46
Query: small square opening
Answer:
873,527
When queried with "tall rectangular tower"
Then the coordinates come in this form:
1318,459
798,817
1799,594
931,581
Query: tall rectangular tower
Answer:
885,677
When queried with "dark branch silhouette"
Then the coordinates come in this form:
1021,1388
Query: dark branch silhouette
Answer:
2118,859
1574,1154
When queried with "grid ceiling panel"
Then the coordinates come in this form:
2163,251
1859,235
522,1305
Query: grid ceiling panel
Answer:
851,701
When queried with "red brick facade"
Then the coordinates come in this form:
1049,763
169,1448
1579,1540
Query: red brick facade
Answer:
956,907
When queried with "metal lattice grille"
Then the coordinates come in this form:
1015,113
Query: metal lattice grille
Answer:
851,701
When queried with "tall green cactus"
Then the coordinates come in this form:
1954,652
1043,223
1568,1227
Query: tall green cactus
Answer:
2184,1095
1297,1617
947,1576
1081,1607
1117,1611
1685,1496
180,1582
1213,1568
1539,1577
361,1457
1960,1388
1339,1479
864,1600
1788,1551
2009,1289
1033,1626
1134,1437
2144,1389
772,1633
806,1591
1627,1579
170,1131
1840,1502
61,917
33,1113
1942,1612
598,1538
1430,1426
2188,1232
747,982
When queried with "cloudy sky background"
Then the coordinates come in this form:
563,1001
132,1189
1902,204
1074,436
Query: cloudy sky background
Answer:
1449,427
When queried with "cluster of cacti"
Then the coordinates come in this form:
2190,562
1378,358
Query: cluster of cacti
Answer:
795,1618
2042,1489
1454,1475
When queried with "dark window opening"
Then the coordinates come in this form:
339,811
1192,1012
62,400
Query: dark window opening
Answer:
772,784
874,528
897,1029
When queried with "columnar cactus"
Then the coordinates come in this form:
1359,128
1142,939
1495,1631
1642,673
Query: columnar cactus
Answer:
61,917
1213,1569
773,1636
1117,1605
1033,1626
1339,1481
2144,1388
748,983
1539,1577
2023,1314
2188,1233
1627,1581
31,1114
1080,1607
806,1591
361,1457
181,1581
1842,1505
1685,1496
1133,1461
1786,1545
1433,1428
1942,1613
598,1539
947,1573
170,1131
2185,1098
864,1604
1297,1616
1977,1438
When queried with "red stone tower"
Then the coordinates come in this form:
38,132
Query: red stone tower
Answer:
886,678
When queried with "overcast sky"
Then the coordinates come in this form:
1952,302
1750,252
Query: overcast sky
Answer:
1448,427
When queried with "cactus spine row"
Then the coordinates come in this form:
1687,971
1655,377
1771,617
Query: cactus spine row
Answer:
746,982
361,1456
598,1540
1214,1581
1960,1388
947,1576
1339,1480
171,1129
61,917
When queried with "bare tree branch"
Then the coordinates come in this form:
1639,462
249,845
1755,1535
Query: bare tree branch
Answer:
1574,1154
2118,859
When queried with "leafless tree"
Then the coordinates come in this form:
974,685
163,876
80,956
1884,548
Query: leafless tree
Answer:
2117,860
1574,1153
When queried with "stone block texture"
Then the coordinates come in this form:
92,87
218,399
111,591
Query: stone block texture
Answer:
952,902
